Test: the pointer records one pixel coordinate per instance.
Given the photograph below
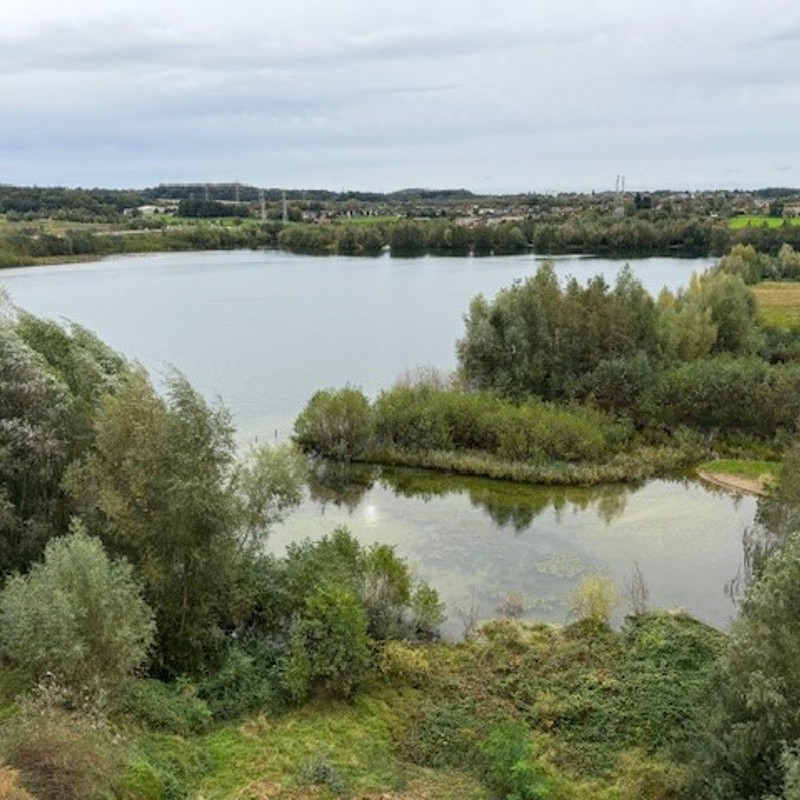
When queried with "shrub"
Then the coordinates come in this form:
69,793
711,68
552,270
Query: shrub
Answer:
404,664
594,599
244,684
169,707
336,423
510,768
329,651
79,616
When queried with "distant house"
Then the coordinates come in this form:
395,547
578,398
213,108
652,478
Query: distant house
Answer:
149,211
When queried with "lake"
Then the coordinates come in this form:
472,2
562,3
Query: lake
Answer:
264,330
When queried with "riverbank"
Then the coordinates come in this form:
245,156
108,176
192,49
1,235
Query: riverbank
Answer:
645,462
740,476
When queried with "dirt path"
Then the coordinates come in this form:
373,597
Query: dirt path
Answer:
735,483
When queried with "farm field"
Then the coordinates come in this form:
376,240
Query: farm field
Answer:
756,221
779,303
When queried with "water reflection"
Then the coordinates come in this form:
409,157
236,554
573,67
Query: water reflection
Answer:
480,541
509,505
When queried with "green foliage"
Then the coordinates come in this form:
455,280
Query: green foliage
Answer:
167,707
335,423
79,616
726,394
539,338
268,482
245,682
510,764
594,599
155,489
760,692
329,651
162,487
396,606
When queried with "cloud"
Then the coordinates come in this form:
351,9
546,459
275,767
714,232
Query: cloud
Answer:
459,93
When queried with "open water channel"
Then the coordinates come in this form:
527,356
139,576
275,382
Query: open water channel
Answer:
264,330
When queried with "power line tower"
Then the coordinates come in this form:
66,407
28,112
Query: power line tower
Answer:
263,202
285,208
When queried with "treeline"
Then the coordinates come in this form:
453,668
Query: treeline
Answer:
641,235
407,238
212,208
27,246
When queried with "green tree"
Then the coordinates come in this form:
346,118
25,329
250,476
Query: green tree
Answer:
329,649
336,423
78,615
162,488
759,710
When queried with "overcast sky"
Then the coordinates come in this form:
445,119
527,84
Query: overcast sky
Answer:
521,95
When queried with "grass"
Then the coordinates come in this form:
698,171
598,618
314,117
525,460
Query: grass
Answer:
779,303
760,221
742,468
333,745
644,463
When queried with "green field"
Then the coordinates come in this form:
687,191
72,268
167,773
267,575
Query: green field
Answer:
779,304
742,468
759,221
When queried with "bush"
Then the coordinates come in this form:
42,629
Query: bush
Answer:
244,684
594,600
336,423
329,651
510,768
168,707
79,616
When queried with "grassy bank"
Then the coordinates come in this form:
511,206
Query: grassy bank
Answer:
586,712
645,462
562,713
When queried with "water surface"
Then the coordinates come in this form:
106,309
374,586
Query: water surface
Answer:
263,330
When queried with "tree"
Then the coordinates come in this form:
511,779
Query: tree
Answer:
78,615
33,452
161,487
759,713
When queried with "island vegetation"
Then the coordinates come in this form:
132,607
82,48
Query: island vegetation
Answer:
588,384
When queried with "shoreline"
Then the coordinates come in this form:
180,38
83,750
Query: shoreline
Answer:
734,483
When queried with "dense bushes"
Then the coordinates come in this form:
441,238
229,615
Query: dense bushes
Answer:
78,616
416,419
335,424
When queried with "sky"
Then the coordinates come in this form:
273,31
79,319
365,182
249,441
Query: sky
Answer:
523,95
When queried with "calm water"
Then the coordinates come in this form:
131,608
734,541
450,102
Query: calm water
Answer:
264,330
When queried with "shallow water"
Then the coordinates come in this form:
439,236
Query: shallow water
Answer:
480,541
